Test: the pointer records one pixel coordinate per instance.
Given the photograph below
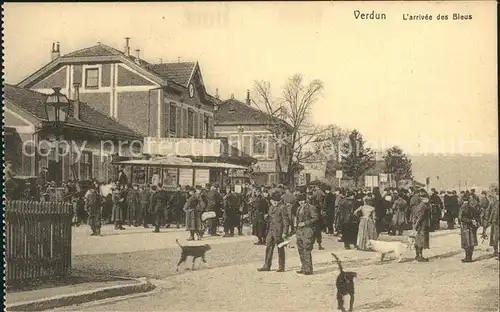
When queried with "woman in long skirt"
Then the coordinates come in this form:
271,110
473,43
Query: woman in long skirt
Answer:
468,217
117,216
367,229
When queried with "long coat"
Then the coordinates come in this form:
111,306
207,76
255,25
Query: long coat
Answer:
400,208
277,224
421,224
231,204
305,235
259,209
117,214
194,208
132,204
493,221
468,217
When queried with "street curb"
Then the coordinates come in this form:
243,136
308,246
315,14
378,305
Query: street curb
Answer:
82,297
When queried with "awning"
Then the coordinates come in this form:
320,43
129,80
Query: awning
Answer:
178,162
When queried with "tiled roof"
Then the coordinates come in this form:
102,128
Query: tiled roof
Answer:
180,73
97,50
34,103
234,112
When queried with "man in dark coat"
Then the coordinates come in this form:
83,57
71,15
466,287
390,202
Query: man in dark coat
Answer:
306,220
469,218
176,204
289,202
329,210
132,205
347,221
260,208
158,204
277,231
122,177
93,208
421,226
436,208
399,208
144,203
230,207
319,225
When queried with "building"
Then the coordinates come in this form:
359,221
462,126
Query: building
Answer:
166,103
89,141
247,129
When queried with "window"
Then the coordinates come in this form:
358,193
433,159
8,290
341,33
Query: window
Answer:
190,123
234,140
271,153
259,145
86,166
138,175
206,127
173,119
92,78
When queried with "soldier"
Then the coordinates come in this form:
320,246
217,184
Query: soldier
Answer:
260,208
276,233
230,206
93,208
144,197
306,220
436,208
158,203
318,226
176,204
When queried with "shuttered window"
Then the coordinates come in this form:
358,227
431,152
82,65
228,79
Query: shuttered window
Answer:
173,120
96,167
165,120
271,148
246,144
200,126
206,126
86,165
190,123
210,127
185,122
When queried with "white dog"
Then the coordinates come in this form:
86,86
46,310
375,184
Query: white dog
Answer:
383,248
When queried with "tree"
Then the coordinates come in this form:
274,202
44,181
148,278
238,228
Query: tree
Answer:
397,164
356,159
289,121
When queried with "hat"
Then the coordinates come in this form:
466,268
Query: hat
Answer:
328,188
301,197
276,196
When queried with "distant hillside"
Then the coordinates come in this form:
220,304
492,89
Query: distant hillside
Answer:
477,171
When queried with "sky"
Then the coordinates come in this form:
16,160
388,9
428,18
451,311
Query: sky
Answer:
427,86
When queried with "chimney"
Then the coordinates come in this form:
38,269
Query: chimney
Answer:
76,100
55,53
127,46
248,98
217,94
232,96
137,59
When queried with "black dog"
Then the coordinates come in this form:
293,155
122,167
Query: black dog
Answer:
345,286
193,251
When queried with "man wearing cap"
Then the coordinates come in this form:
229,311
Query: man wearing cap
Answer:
436,207
346,220
277,231
289,202
306,221
158,203
260,208
230,206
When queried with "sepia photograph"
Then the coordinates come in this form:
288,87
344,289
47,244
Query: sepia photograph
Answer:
250,156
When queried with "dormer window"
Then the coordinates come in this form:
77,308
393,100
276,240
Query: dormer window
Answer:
92,78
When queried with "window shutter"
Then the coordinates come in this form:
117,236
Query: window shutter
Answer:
178,126
195,125
96,166
165,119
246,144
200,125
210,127
271,148
185,124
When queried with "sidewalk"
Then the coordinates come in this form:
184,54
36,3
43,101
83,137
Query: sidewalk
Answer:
53,297
134,239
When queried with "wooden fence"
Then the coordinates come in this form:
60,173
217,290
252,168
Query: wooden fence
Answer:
38,240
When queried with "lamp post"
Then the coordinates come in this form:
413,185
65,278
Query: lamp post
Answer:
57,108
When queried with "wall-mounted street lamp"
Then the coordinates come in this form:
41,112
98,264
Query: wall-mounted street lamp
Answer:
57,107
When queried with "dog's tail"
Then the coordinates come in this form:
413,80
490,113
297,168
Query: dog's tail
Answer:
338,262
177,241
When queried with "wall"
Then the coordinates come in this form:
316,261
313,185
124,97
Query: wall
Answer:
98,101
